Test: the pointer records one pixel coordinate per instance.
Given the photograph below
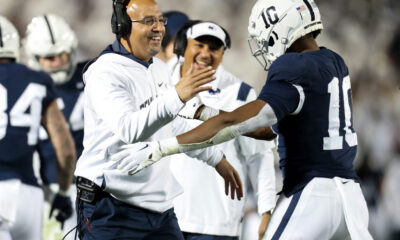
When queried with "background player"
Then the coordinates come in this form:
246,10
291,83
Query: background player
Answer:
176,20
27,99
308,96
203,211
51,46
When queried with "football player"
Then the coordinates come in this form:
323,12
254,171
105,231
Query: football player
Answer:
51,46
203,44
307,99
27,99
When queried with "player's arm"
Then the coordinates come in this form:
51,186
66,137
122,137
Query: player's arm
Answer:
264,133
195,109
247,120
54,122
221,128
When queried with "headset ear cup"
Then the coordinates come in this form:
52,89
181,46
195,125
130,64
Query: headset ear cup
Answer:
126,23
114,23
180,42
227,38
120,21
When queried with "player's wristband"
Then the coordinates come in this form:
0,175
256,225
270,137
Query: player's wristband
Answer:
171,146
168,146
224,135
64,193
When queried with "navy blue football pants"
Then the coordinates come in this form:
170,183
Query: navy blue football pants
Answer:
110,218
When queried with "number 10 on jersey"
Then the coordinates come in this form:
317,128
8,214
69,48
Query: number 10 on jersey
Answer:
335,140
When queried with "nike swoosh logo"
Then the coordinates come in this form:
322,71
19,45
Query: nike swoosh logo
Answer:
160,84
146,146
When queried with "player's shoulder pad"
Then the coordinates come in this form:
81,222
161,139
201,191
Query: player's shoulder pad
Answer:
289,67
341,64
32,75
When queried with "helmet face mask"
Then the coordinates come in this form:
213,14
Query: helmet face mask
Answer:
275,24
260,50
58,66
50,35
9,40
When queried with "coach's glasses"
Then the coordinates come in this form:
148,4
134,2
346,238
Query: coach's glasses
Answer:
150,21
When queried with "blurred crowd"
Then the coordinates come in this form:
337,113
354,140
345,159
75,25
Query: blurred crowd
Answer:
365,32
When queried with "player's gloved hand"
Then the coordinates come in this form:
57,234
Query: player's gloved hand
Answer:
134,157
191,107
63,204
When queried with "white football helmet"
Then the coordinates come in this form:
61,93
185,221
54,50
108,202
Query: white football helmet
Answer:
9,40
274,25
50,35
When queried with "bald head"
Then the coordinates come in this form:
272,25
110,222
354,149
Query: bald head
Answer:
144,41
135,7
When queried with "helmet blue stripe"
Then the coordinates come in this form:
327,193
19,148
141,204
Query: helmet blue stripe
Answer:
1,38
311,10
50,31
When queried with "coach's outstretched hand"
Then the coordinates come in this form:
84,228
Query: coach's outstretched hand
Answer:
192,82
134,157
231,177
63,204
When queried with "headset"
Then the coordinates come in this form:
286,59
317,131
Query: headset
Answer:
181,39
120,21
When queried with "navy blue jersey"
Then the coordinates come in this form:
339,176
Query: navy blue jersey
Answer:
310,94
71,104
24,95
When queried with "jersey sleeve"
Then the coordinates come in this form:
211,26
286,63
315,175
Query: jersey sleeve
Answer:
283,97
280,90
